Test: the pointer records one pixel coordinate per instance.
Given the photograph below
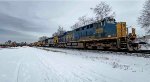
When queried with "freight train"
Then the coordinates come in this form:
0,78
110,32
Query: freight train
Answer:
105,34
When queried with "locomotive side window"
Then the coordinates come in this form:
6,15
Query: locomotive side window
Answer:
91,25
88,27
82,28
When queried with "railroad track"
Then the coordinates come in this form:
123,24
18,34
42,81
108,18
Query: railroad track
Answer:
140,53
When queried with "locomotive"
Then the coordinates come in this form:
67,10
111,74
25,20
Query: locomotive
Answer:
104,34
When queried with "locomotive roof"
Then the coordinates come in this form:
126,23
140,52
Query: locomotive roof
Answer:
106,18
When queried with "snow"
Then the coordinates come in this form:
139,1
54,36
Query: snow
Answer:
28,64
145,46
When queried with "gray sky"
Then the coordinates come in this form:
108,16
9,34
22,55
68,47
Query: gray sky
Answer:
27,20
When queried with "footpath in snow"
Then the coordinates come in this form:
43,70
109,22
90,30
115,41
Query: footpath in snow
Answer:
27,64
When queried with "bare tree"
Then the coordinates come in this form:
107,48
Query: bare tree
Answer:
144,19
102,10
60,31
90,20
82,21
55,34
9,41
74,26
42,38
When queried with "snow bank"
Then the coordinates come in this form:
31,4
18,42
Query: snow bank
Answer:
26,64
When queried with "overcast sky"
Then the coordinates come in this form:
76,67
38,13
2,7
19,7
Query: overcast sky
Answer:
27,20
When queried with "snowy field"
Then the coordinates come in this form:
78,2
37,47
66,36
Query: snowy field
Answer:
27,64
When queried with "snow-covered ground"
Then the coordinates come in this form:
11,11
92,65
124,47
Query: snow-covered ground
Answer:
27,64
145,46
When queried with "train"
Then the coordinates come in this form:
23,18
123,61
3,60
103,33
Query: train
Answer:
105,34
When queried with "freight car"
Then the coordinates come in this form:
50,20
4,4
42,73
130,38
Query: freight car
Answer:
105,34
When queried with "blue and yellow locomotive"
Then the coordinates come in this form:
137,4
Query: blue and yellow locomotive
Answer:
105,34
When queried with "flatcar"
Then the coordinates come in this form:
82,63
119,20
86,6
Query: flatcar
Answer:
105,34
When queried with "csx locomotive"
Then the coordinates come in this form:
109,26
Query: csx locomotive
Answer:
105,34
